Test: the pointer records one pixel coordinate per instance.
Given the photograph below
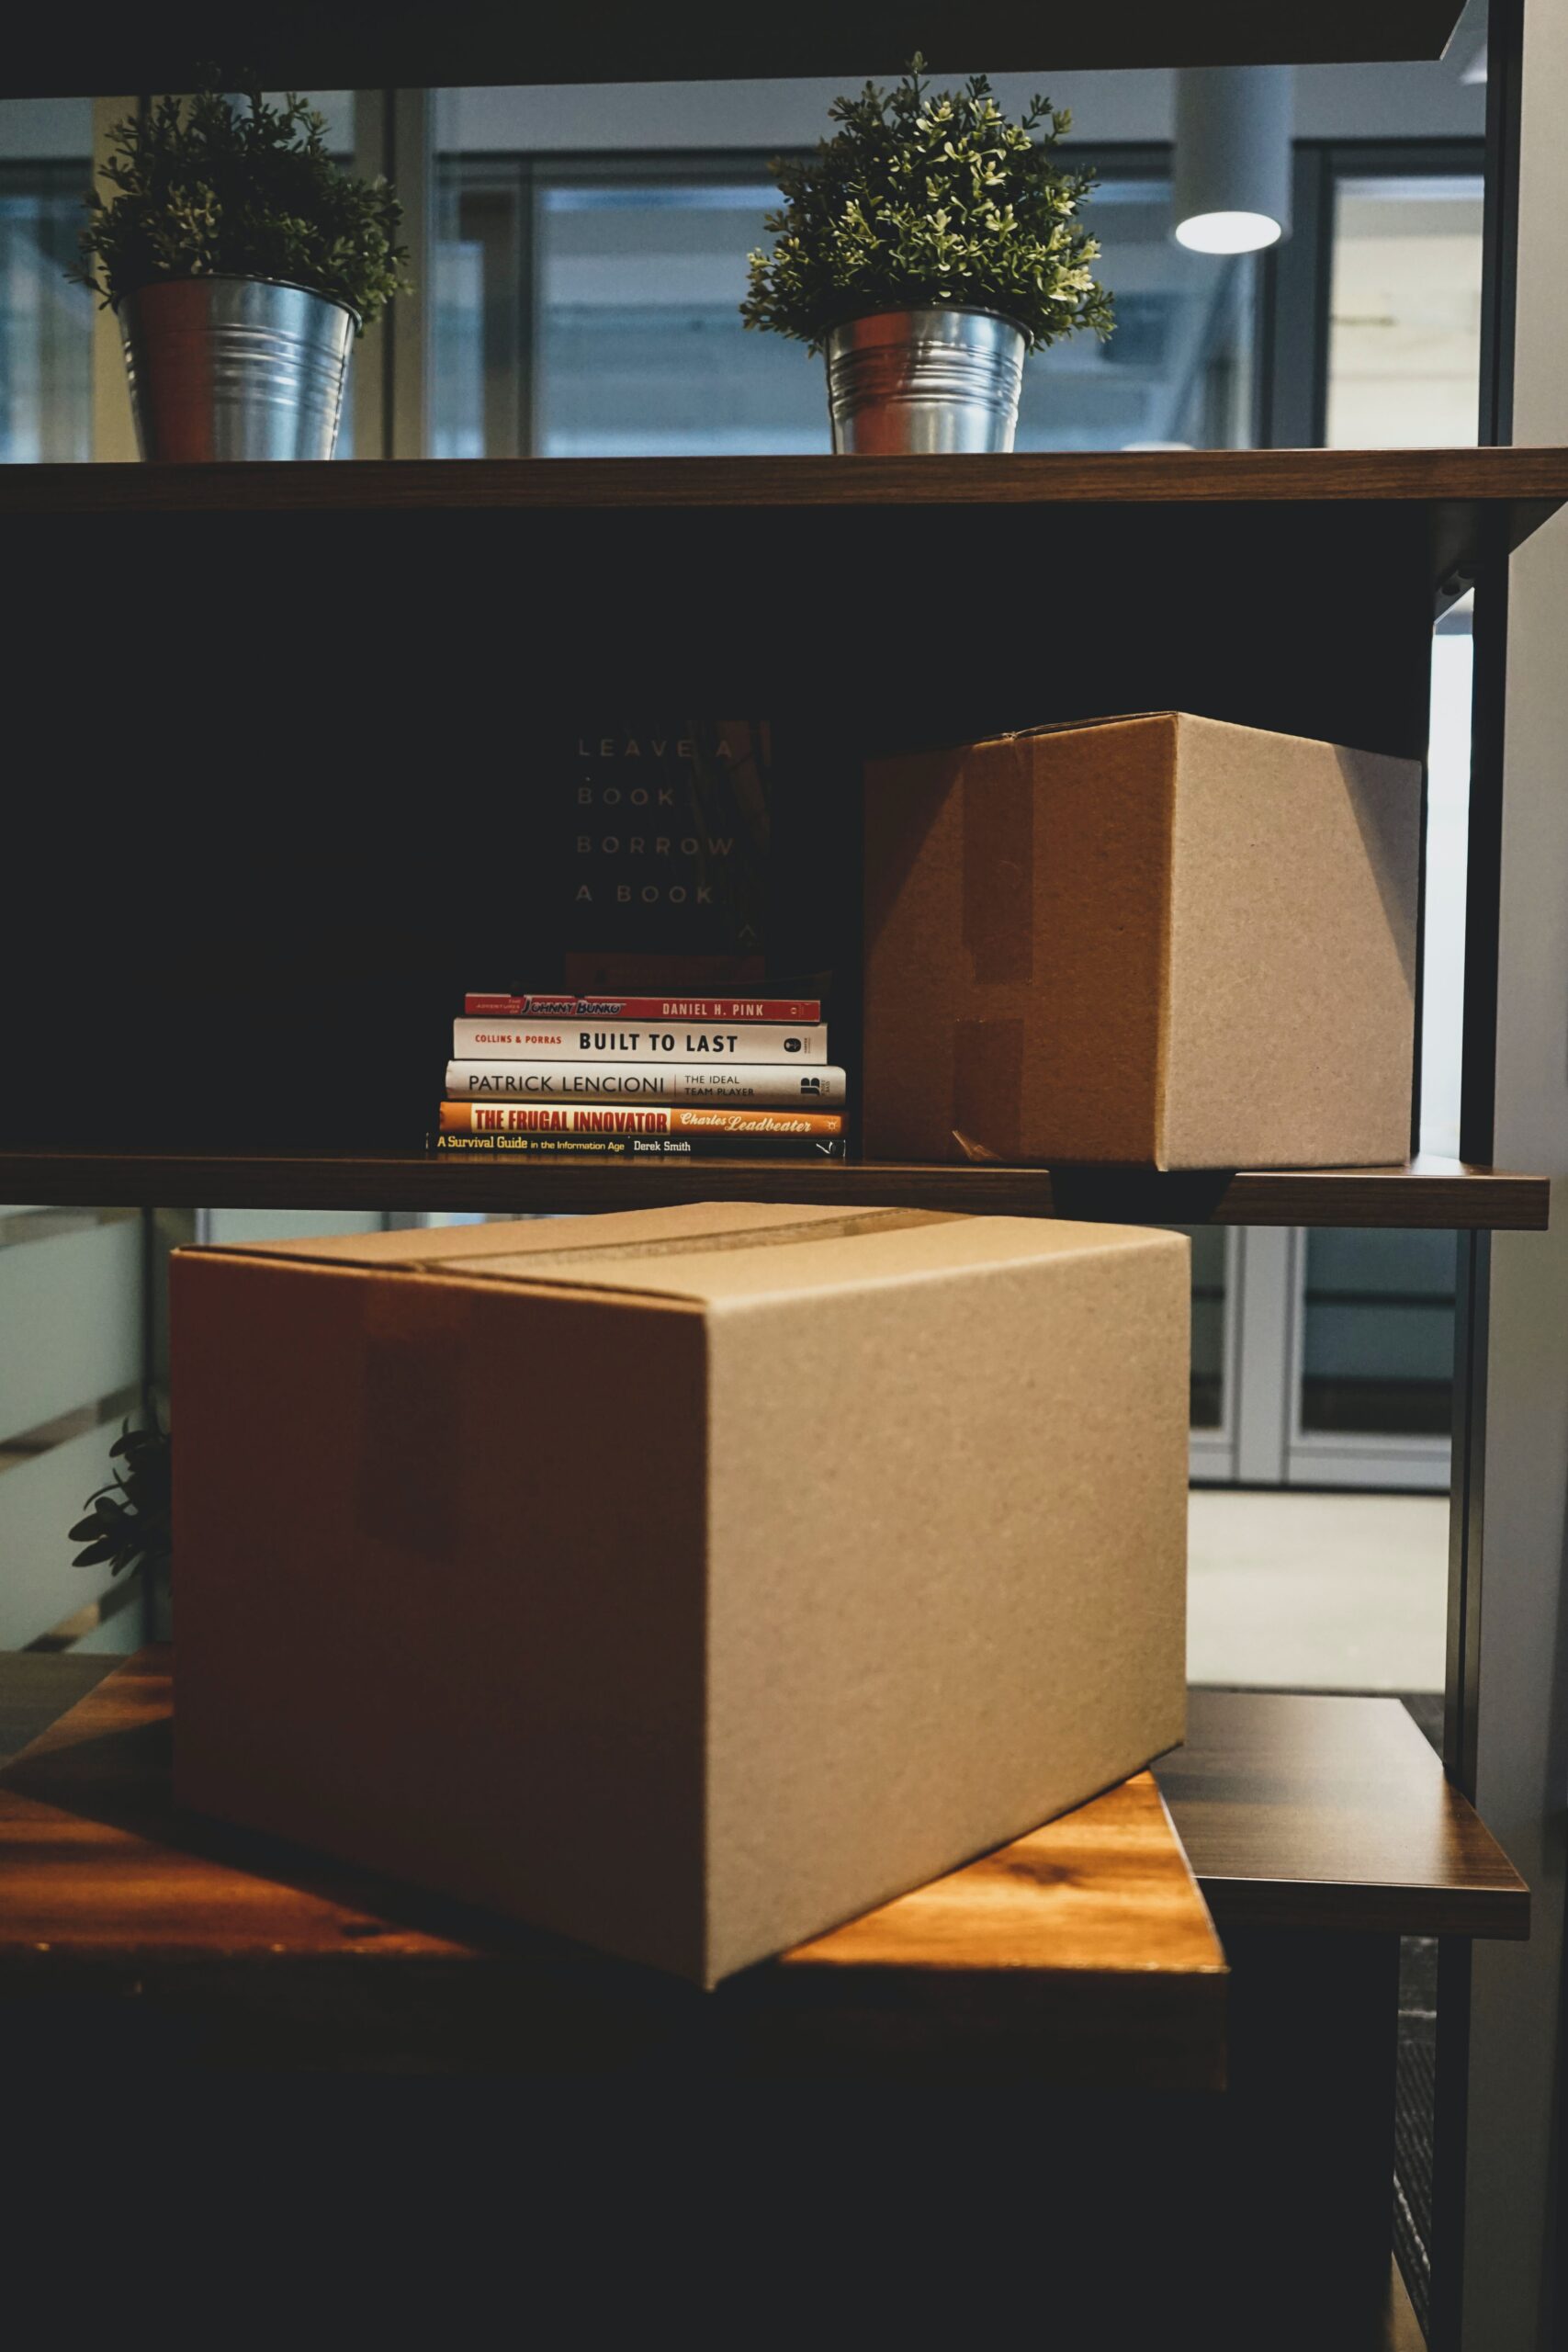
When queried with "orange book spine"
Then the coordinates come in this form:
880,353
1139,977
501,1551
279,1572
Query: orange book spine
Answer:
477,1118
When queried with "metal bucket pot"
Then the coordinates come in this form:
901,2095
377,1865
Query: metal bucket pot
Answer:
936,382
235,367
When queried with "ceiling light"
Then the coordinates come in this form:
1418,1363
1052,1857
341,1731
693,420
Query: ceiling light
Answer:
1231,191
1228,232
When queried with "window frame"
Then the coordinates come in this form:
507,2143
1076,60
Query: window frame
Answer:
1296,295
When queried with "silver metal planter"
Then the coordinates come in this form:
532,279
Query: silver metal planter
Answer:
935,382
235,367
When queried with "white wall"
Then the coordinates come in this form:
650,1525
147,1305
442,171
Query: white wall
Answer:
1513,2216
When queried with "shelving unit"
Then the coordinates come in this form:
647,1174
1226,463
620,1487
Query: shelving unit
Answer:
1294,590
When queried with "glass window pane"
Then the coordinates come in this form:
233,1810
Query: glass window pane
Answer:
593,310
1379,1338
1179,369
1404,370
46,326
642,352
1208,1376
1405,333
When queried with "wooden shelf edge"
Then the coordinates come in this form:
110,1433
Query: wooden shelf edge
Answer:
1302,1812
1494,1914
1533,479
1432,1193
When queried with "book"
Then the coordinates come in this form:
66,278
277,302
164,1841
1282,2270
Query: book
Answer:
679,1042
653,836
713,1147
632,1119
784,1009
742,1084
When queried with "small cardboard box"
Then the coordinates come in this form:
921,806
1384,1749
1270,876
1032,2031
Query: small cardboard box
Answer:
1157,940
685,1582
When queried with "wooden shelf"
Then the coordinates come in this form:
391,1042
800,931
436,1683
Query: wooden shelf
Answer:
1458,487
1441,1193
1080,1955
1308,1811
330,45
1187,476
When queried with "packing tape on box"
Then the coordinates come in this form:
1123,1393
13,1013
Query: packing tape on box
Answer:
998,935
408,1475
578,1258
409,1469
998,869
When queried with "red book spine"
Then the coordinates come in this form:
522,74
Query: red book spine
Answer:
790,1010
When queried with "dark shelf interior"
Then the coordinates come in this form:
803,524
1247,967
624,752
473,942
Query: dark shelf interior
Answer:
324,692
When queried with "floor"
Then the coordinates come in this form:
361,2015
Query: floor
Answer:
1317,1592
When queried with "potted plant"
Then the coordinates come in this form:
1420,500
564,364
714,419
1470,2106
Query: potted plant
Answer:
127,1523
240,263
925,248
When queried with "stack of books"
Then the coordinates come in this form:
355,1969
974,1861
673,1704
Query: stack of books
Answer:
642,1077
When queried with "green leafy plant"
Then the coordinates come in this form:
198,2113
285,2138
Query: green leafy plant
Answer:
128,1522
213,189
931,197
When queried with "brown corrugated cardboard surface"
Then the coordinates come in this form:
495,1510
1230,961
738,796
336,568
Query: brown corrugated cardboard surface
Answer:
685,1582
1155,940
1293,952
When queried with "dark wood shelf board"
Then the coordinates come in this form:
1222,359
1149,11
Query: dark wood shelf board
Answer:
1295,1812
1436,1193
329,45
1106,1973
1523,477
1307,1812
1468,500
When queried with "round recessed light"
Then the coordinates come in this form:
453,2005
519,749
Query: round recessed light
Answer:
1228,232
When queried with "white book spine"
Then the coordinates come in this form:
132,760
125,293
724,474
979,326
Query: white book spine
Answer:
687,1044
738,1083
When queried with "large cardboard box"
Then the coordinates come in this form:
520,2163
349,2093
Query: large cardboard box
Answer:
685,1582
1157,940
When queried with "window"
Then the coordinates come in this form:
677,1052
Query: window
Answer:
592,309
1209,1301
1404,311
1343,1343
1179,371
641,349
1377,1334
46,325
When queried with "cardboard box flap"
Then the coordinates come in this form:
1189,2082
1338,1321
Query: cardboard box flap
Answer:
1070,726
1178,719
450,1245
713,1253
1082,726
